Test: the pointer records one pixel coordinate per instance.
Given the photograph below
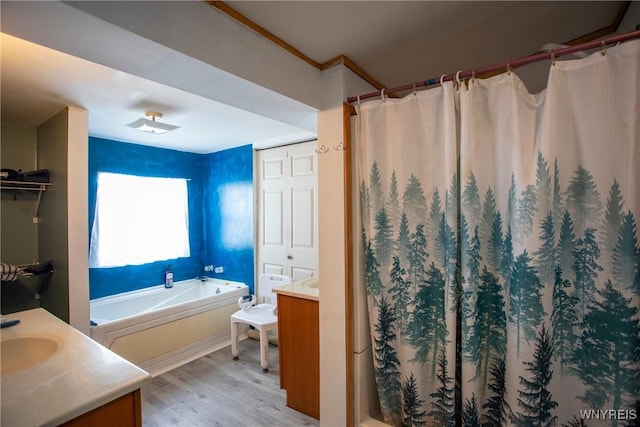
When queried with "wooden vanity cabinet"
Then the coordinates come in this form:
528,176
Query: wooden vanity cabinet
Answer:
299,350
125,411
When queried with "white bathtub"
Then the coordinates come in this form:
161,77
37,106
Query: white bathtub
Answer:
159,329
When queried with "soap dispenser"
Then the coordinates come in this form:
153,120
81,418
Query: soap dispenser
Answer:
168,278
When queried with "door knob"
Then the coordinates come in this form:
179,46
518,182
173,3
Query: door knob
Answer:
289,257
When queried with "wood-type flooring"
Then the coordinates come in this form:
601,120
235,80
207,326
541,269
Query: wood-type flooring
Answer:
218,391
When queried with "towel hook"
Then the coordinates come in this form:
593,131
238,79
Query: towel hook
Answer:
323,149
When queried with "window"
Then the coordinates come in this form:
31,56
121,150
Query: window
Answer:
139,220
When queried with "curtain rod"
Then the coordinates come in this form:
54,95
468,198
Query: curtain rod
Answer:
509,65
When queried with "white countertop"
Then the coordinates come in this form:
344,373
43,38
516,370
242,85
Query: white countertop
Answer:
80,377
306,288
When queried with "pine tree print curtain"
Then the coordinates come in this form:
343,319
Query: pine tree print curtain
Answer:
409,213
518,277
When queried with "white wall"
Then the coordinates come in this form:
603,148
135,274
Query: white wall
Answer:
332,253
77,217
338,84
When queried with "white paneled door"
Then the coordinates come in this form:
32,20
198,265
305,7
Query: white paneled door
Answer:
288,210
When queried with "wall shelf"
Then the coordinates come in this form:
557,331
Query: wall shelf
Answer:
15,186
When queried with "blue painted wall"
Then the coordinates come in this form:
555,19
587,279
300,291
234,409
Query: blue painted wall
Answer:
228,212
220,212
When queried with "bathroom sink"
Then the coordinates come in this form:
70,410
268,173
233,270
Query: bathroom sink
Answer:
311,282
24,352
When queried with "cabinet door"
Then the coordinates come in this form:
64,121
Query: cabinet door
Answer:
287,211
125,411
299,350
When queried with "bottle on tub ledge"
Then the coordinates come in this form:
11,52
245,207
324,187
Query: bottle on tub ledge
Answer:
168,278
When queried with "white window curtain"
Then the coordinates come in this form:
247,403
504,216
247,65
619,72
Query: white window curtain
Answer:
139,220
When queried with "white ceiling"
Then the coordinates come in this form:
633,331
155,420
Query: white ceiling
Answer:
395,42
37,82
400,42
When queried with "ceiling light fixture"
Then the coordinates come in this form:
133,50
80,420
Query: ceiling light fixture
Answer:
152,126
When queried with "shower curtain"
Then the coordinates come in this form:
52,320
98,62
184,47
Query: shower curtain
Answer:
500,239
409,211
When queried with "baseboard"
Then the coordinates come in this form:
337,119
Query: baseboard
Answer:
181,356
